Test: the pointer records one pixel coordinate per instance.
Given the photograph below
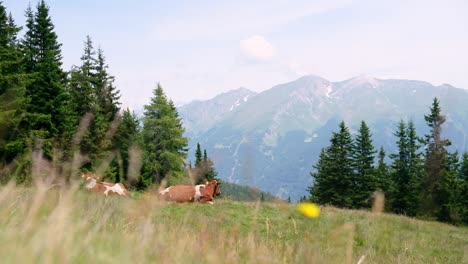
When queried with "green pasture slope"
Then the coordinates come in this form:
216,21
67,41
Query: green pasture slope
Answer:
39,226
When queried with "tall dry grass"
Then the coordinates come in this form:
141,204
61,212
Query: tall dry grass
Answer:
70,225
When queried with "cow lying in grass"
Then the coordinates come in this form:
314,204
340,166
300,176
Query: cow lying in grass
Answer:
203,193
94,185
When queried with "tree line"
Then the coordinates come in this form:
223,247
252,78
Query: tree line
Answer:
424,179
75,116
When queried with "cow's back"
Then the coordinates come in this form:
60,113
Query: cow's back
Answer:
179,193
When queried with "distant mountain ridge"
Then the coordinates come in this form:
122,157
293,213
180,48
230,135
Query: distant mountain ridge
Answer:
271,139
199,116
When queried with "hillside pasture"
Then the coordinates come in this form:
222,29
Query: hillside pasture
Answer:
73,226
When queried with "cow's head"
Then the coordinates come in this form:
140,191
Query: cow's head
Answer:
215,185
88,175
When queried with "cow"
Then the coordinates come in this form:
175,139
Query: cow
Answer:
203,193
94,185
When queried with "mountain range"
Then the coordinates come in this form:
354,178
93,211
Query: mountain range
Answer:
271,140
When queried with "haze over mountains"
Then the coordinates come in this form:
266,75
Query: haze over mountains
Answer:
270,140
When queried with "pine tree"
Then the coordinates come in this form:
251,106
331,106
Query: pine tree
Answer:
82,80
46,93
204,167
384,181
334,174
92,91
13,81
164,145
198,155
322,187
82,99
434,199
415,169
107,94
400,174
365,178
126,136
4,27
464,187
208,167
453,188
407,168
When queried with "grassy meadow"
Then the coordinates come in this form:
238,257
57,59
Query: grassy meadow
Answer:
41,225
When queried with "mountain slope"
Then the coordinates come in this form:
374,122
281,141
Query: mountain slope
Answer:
199,116
272,140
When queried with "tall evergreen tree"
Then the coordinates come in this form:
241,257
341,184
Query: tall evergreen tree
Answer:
384,181
435,198
92,91
365,177
82,98
205,167
198,155
126,136
322,187
415,169
82,80
407,167
43,59
334,176
453,188
13,101
107,94
400,174
164,145
464,187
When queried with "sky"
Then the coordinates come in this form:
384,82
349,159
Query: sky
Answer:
198,49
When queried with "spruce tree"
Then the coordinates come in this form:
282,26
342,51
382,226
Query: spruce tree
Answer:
334,176
365,177
13,102
453,189
107,94
322,187
204,167
415,169
125,137
384,181
407,168
435,199
210,172
4,40
164,145
464,187
92,91
198,155
400,172
82,80
46,93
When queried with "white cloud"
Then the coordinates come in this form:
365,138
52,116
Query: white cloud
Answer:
257,48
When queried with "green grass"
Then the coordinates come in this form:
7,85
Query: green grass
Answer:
78,227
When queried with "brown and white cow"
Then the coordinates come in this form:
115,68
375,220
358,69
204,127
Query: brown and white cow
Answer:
203,193
94,185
